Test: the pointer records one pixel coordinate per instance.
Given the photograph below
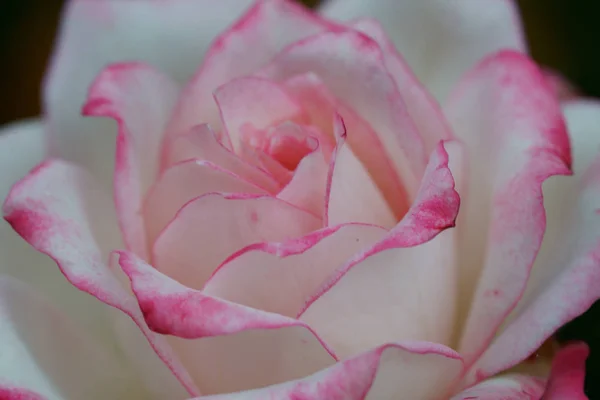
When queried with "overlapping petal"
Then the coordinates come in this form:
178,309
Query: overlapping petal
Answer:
515,137
440,40
173,36
255,348
140,99
59,210
414,371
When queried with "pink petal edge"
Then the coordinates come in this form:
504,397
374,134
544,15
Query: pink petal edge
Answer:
46,222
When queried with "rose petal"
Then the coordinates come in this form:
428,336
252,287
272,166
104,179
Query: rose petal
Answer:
253,102
323,109
140,100
394,276
524,142
351,66
60,212
413,371
306,190
440,40
202,144
210,228
256,348
36,338
352,195
564,280
171,36
184,182
280,277
13,393
422,107
568,374
261,33
513,387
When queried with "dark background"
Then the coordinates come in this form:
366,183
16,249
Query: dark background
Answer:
563,34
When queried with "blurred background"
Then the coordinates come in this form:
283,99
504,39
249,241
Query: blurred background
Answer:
563,35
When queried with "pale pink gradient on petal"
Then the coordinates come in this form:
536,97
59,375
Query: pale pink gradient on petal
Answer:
388,372
251,42
348,303
567,377
422,107
173,309
561,296
507,387
210,228
307,188
515,137
173,36
280,277
201,143
352,195
184,182
253,103
48,208
440,39
352,67
140,100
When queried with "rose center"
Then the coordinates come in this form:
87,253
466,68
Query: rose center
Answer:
287,143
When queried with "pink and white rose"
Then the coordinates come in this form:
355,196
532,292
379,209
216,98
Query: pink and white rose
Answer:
301,208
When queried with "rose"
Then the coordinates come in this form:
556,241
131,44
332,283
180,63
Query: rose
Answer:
385,125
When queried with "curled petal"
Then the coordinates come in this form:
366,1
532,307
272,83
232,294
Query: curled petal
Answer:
279,277
390,277
58,209
140,100
512,128
286,348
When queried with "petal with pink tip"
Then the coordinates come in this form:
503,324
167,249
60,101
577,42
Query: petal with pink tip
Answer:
140,100
255,103
388,372
352,67
173,36
567,377
288,347
515,137
260,34
202,144
280,277
565,287
59,211
422,107
307,187
390,277
37,338
184,182
439,39
513,387
16,393
210,228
